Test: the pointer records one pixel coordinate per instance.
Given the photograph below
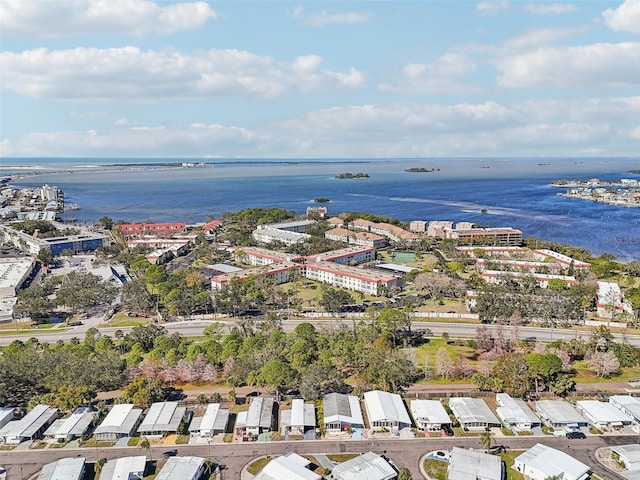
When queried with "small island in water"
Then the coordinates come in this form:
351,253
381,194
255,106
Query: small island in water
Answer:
343,176
623,192
321,200
422,170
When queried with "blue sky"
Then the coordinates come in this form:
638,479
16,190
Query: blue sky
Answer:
160,78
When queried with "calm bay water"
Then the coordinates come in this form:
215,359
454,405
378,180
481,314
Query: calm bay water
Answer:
514,192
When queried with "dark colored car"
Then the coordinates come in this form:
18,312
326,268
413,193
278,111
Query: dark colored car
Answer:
576,435
496,449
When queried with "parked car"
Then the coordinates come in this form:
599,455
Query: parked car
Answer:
576,435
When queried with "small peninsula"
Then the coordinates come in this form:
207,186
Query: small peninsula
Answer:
422,170
623,192
349,176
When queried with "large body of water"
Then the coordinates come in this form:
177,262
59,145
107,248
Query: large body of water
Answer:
514,192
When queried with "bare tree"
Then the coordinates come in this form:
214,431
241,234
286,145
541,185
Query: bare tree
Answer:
444,363
604,363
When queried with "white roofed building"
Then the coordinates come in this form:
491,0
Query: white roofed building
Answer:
474,465
66,429
120,422
6,415
182,468
515,413
367,466
629,455
473,413
628,404
559,414
64,469
258,418
268,235
287,467
603,415
125,468
541,462
29,427
429,415
161,419
299,418
386,411
341,412
214,420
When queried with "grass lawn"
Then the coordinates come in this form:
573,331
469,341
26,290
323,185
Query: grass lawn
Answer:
121,320
508,458
342,457
258,465
436,469
586,375
429,350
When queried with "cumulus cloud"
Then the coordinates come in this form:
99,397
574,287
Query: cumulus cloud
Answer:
492,8
126,17
324,18
602,65
131,74
436,77
549,8
625,18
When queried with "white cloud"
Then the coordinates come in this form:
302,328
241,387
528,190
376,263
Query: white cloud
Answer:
549,8
625,18
324,18
128,73
120,122
492,8
542,36
548,127
6,148
127,17
602,65
88,114
437,77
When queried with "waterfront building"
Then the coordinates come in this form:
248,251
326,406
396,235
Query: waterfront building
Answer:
140,229
473,465
541,462
162,418
491,251
504,236
334,222
29,427
317,212
439,228
268,235
368,466
120,422
429,415
124,468
363,239
418,226
386,411
214,421
473,414
515,413
341,412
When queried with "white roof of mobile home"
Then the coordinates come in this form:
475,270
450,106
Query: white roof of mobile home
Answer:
6,414
287,467
260,413
631,405
468,410
559,412
214,419
339,407
473,465
514,410
28,425
430,411
629,454
301,414
121,419
123,468
162,417
367,466
63,469
549,462
180,468
603,412
76,424
385,406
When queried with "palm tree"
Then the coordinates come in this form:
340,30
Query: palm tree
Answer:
97,467
486,439
144,443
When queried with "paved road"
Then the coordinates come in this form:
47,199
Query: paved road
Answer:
403,452
456,330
